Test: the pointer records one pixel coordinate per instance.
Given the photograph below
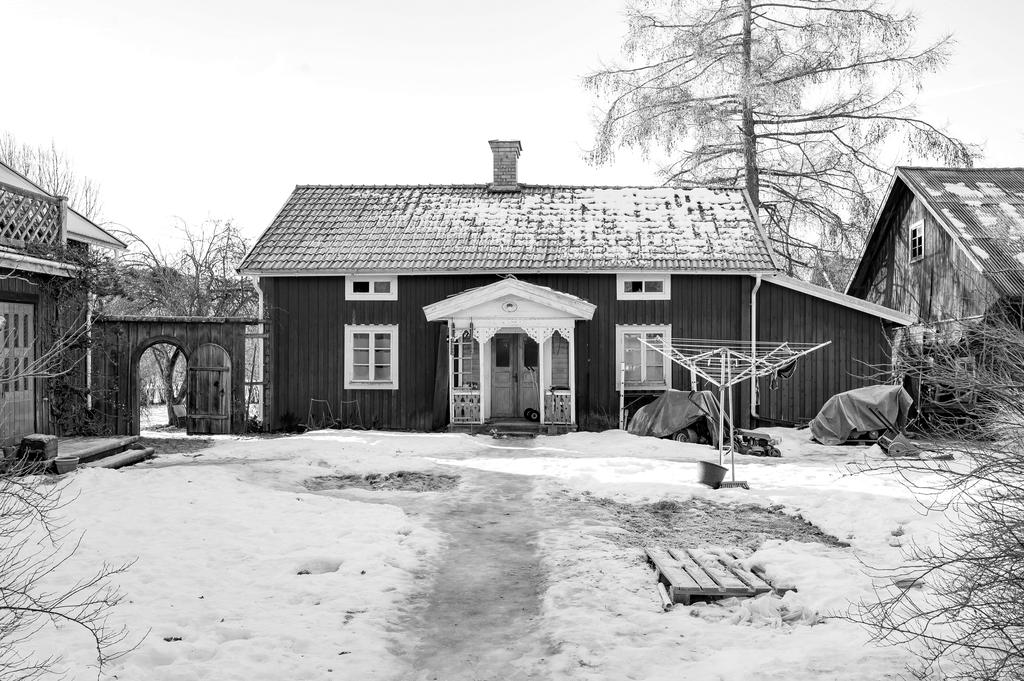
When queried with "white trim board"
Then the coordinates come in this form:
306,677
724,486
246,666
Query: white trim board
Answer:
570,305
838,298
28,263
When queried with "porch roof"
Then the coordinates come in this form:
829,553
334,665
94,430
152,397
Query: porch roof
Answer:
568,305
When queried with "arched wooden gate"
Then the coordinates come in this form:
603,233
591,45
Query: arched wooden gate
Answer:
215,349
209,390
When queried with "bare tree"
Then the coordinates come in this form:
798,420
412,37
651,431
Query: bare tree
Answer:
51,169
35,593
800,102
958,601
197,278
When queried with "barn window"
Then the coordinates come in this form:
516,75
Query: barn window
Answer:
371,357
371,287
644,286
917,241
645,367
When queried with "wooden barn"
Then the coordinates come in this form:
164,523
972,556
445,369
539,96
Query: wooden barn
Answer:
424,307
34,227
947,243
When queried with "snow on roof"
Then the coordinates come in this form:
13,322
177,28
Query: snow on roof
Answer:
983,209
341,229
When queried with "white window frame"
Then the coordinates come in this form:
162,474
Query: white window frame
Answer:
664,294
620,332
350,331
372,279
919,228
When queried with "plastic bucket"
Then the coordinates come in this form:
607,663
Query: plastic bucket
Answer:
710,474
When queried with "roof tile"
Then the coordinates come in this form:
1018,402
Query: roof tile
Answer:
468,227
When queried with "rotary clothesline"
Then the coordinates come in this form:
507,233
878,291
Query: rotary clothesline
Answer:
724,364
740,360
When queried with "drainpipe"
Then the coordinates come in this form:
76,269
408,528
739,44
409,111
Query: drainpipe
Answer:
753,347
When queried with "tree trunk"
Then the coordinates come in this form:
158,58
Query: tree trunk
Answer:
753,180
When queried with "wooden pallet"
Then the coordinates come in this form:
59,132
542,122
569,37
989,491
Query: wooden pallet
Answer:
688,576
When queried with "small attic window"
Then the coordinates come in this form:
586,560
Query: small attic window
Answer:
644,287
917,241
378,287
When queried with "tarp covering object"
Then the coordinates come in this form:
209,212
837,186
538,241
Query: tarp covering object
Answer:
674,410
854,412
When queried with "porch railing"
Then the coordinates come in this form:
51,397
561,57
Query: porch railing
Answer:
466,405
30,218
558,407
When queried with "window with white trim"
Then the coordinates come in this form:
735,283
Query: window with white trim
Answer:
917,241
371,357
371,287
466,362
645,367
643,286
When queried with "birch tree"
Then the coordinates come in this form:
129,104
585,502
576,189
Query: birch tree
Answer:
804,103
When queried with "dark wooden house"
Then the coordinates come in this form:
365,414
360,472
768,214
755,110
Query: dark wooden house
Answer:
947,244
424,306
34,227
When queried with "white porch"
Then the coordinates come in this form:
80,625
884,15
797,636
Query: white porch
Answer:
511,353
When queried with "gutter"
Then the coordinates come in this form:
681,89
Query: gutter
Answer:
28,263
753,348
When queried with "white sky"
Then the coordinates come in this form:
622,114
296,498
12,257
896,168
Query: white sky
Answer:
198,108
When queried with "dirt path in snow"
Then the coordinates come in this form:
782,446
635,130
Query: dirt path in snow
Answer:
481,620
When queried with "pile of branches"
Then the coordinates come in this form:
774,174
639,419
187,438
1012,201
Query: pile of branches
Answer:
962,612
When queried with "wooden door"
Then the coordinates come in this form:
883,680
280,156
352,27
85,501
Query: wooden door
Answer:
17,353
209,390
504,380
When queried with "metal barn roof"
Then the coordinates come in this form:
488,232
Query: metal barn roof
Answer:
447,228
983,210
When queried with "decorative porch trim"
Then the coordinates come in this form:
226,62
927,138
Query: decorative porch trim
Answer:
571,306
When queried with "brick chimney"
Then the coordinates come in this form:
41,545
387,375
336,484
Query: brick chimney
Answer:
506,160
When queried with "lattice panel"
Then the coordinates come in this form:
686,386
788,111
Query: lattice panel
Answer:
27,217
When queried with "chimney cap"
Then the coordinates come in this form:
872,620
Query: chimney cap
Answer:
506,145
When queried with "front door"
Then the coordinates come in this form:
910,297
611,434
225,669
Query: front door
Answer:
504,377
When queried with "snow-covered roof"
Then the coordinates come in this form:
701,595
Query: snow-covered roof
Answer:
983,210
442,228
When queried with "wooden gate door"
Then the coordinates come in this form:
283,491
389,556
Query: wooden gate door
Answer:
209,390
17,352
504,362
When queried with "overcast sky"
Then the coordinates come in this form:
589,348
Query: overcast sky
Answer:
217,108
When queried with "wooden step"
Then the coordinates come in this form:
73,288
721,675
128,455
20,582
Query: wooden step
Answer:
93,448
121,459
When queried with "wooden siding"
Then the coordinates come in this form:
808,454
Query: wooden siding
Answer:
308,314
25,288
943,285
118,345
858,355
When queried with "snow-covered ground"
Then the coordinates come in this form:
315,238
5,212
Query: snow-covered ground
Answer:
219,537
